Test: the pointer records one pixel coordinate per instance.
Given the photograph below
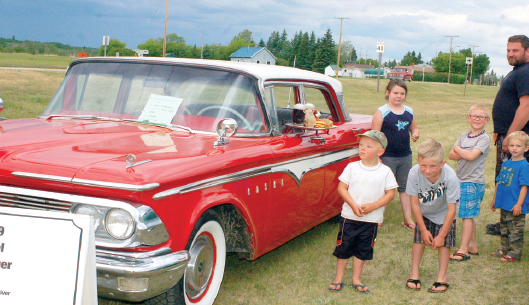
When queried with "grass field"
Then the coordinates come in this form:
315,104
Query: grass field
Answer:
300,271
24,60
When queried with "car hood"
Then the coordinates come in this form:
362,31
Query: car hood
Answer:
97,151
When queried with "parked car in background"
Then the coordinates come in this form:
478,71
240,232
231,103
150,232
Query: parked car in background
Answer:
401,72
134,142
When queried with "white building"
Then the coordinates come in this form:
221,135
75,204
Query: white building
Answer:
258,55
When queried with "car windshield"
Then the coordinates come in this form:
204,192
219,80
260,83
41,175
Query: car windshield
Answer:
193,97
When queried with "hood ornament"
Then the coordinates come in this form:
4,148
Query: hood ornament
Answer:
131,161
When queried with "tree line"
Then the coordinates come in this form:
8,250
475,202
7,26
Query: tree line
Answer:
304,50
11,45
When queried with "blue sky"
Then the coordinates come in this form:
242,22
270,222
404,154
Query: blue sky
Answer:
403,26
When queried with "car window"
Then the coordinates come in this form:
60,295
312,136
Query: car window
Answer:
318,98
196,97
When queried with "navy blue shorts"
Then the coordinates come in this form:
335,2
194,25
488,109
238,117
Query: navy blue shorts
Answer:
356,238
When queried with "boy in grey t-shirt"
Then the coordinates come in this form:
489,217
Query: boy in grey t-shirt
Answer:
471,151
434,190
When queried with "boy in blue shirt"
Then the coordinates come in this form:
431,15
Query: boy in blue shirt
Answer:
511,198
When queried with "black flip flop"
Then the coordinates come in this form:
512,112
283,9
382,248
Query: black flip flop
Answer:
436,285
416,282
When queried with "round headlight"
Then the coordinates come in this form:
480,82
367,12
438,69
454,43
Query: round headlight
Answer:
85,209
119,224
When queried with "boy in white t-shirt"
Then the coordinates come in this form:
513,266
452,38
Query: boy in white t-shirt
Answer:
366,186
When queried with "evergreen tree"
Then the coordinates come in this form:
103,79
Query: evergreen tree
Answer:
262,43
325,54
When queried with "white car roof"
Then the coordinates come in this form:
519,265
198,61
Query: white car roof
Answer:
260,71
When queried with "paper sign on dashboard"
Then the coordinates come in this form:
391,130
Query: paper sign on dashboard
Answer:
160,109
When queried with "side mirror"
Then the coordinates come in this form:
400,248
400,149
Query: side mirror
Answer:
2,107
226,128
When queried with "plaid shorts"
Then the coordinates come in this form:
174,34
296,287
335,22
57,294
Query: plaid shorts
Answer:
450,239
471,196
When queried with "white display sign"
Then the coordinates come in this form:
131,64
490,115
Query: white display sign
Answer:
160,109
380,47
468,61
46,258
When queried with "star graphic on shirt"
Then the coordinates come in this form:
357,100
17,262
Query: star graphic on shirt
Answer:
402,125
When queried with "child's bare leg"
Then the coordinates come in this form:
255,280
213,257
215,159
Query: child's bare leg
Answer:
340,272
473,243
405,202
416,255
466,235
358,264
444,256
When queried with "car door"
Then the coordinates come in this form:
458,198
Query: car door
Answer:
298,172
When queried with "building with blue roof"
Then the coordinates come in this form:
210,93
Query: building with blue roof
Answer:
258,55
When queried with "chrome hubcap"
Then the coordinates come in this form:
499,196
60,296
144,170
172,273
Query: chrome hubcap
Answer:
200,267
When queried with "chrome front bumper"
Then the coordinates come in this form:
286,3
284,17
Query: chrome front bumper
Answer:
137,276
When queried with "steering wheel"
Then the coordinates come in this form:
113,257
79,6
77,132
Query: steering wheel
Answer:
247,124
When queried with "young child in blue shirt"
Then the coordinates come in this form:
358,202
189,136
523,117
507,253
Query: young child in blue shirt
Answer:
511,197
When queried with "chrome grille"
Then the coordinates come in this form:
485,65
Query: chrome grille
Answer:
33,203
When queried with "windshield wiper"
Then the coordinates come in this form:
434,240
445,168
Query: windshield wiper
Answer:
170,126
78,116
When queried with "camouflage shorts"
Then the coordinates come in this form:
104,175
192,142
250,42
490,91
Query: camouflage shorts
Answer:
512,230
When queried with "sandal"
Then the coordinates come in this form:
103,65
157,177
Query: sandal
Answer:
474,253
409,226
497,253
416,282
338,285
508,259
464,257
436,285
355,287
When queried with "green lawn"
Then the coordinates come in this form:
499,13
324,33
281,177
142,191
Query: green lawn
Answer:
24,60
300,271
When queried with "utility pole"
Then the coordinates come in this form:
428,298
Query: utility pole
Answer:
366,57
202,50
339,44
472,65
450,61
165,30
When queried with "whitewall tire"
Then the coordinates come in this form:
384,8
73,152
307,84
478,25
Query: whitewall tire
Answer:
205,270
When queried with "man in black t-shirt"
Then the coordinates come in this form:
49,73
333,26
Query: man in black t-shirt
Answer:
510,111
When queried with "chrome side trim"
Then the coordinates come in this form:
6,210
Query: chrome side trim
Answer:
42,177
112,185
296,169
103,184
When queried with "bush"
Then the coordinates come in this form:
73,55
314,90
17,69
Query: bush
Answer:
281,62
440,78
19,49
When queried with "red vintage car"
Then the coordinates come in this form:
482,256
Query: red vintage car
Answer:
180,161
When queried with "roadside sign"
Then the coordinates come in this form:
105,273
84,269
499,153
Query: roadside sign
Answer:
106,40
380,47
468,61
